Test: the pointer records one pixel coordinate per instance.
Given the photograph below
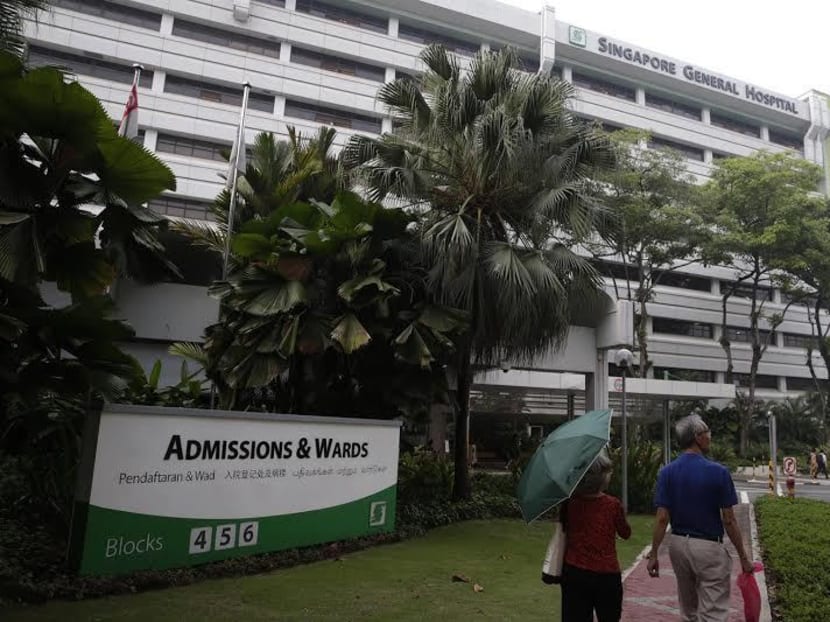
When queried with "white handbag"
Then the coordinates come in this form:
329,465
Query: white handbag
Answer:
554,556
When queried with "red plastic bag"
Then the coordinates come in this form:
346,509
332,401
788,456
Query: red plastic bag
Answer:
751,594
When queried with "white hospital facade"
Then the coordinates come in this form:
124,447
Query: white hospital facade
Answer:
321,62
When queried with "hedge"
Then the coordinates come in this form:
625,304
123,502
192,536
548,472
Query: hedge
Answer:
795,539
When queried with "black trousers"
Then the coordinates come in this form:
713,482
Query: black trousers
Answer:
584,592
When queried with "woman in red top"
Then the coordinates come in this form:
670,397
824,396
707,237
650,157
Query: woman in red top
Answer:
591,579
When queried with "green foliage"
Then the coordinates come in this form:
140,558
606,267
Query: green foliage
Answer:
502,166
325,305
12,14
656,225
71,215
795,538
644,462
423,475
189,392
760,208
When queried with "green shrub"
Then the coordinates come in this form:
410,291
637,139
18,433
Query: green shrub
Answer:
795,539
501,484
644,462
424,475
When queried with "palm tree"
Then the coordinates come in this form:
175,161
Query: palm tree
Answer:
498,165
277,172
12,13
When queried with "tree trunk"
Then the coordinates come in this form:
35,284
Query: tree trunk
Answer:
461,485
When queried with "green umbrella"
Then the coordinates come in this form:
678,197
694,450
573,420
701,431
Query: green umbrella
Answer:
560,462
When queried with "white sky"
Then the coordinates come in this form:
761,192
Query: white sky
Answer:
781,45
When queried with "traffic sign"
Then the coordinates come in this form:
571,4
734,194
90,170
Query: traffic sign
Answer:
618,382
790,465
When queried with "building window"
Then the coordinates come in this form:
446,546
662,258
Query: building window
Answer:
686,375
592,83
421,35
327,62
115,12
279,3
791,141
614,270
687,151
795,383
216,93
745,291
681,327
344,16
88,66
762,381
668,105
226,38
192,147
183,208
738,334
672,278
529,63
332,116
717,156
631,372
794,340
556,72
734,125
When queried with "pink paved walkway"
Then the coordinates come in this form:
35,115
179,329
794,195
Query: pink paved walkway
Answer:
655,600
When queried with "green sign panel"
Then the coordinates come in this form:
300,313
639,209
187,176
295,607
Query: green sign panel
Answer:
167,487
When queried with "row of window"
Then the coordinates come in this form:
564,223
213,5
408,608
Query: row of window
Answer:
673,278
762,381
735,334
723,121
87,65
373,22
206,91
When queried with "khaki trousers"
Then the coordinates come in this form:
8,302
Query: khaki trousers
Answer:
704,574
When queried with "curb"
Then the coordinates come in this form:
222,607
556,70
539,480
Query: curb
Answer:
760,577
636,561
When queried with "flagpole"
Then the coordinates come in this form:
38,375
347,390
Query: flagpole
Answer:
240,150
237,152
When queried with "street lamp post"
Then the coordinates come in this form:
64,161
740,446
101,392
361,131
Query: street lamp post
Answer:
623,359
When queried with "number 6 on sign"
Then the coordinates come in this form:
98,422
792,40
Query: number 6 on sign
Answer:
248,533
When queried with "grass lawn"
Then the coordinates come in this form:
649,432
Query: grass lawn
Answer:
406,581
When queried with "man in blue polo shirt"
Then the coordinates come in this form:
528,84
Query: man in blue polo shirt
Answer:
696,495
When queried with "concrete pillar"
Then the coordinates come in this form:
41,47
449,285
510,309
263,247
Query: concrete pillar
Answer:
158,81
640,96
391,74
438,427
706,115
150,139
290,5
285,52
568,74
547,47
279,106
393,26
166,24
596,384
765,133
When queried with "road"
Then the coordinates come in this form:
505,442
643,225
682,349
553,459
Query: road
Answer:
753,489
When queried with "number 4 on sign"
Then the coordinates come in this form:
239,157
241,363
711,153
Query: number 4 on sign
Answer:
200,540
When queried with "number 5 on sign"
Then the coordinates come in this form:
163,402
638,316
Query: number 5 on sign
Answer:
225,537
200,540
248,533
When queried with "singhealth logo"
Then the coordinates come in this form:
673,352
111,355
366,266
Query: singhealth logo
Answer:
377,514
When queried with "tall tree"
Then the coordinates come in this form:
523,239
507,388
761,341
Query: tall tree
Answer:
497,165
657,227
324,309
755,207
809,286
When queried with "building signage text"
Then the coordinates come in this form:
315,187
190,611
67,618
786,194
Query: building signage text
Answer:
692,74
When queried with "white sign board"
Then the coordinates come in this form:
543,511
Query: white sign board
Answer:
790,466
174,487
